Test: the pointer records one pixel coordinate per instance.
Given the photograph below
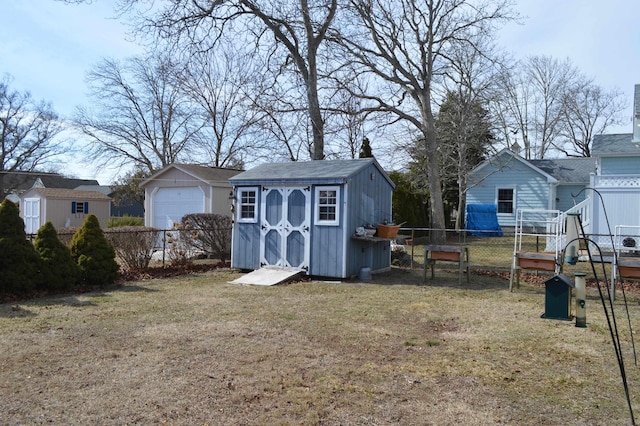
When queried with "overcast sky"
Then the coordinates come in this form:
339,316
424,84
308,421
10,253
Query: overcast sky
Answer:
47,46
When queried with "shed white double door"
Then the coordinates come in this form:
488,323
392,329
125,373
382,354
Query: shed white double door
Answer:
284,227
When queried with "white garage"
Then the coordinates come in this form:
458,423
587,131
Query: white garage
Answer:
171,204
180,189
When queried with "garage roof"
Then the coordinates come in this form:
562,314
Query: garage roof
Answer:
210,175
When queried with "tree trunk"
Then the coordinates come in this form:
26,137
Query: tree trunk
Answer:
435,190
317,124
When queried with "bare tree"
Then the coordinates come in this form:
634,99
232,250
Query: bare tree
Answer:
532,102
510,108
139,114
223,83
28,133
587,110
295,27
407,48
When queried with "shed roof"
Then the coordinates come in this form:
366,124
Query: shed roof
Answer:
209,175
334,171
614,145
70,194
21,181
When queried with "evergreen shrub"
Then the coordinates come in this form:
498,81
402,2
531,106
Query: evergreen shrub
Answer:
20,266
94,255
59,270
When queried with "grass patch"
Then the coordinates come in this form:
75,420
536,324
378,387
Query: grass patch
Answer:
197,350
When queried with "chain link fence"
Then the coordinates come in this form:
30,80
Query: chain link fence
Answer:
488,253
169,246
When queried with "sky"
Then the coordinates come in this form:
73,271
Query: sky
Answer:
47,47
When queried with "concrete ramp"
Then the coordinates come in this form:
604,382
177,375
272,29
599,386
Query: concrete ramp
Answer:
267,276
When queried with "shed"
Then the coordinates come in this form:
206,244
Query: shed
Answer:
64,208
180,189
303,215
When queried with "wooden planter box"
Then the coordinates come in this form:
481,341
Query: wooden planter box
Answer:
451,256
629,268
387,231
539,261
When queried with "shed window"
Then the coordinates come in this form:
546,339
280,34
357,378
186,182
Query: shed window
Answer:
247,204
328,205
506,200
81,207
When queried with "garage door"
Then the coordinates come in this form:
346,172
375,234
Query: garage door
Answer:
170,204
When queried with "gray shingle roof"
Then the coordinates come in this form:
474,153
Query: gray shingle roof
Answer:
21,181
615,144
206,173
567,170
307,170
71,194
211,175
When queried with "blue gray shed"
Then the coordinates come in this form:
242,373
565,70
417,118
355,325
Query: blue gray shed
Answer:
303,215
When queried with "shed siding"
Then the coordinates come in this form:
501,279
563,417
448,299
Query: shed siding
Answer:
327,250
369,202
221,200
58,210
245,247
531,188
620,166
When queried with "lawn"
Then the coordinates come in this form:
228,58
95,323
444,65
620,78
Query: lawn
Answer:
198,350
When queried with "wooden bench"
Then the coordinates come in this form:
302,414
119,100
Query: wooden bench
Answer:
540,261
433,253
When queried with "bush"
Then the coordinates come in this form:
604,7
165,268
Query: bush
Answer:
93,254
177,248
20,266
133,244
209,233
118,222
58,268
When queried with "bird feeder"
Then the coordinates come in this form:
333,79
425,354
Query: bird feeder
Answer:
557,303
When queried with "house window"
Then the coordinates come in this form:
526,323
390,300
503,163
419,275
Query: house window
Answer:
506,200
247,205
328,205
81,207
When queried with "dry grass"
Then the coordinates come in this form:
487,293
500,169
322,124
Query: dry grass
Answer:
197,350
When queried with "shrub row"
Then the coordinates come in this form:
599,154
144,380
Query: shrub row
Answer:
48,263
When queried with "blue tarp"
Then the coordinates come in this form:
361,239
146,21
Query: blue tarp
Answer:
482,220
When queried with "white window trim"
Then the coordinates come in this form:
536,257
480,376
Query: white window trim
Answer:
239,204
513,201
318,221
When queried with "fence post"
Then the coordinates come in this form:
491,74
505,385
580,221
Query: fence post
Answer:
164,246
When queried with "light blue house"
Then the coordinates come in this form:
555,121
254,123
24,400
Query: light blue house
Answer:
512,182
608,185
303,215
